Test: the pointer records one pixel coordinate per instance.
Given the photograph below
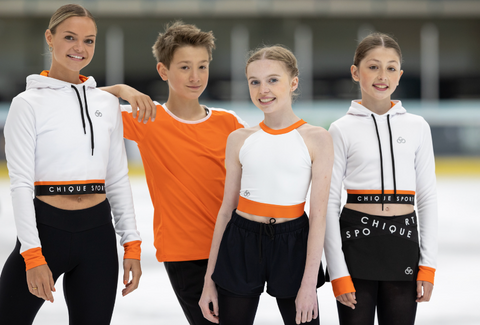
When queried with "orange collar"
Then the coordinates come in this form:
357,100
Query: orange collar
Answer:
45,73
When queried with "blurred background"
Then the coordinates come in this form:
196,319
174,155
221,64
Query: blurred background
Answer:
440,41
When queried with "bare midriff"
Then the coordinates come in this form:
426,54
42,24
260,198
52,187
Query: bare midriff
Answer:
253,217
73,202
389,210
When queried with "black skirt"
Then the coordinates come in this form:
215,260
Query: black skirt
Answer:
380,248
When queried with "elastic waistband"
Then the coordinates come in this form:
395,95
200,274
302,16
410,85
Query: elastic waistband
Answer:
280,228
73,220
356,225
388,198
70,188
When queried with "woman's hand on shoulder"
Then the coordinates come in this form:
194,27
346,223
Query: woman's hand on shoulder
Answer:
131,265
209,296
143,108
424,291
348,299
306,304
40,282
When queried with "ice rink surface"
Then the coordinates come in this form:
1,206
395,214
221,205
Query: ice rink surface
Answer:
455,299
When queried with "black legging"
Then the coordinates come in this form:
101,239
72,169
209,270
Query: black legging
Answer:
394,301
87,258
237,310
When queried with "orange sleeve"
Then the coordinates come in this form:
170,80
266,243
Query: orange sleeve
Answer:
342,285
426,273
132,250
132,129
33,258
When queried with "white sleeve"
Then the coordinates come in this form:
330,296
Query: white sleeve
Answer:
426,192
20,143
337,267
117,185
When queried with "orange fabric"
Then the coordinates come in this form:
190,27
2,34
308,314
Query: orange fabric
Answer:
45,73
185,170
132,249
33,258
379,192
342,286
91,181
281,131
270,210
426,273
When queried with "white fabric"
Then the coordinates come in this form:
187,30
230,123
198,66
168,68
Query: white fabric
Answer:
357,165
45,142
276,169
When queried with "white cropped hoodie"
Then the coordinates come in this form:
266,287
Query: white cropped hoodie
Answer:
406,165
67,138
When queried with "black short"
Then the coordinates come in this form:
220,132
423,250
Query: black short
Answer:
252,253
380,248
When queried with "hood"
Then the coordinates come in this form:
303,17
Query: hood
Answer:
36,81
358,109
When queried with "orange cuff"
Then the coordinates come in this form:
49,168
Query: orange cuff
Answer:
33,258
132,249
426,273
343,285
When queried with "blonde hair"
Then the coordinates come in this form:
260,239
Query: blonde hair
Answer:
67,11
275,53
179,34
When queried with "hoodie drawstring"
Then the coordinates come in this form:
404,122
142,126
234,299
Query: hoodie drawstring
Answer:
269,230
393,159
381,158
88,115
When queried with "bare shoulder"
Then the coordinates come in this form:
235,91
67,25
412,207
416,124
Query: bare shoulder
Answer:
314,135
238,137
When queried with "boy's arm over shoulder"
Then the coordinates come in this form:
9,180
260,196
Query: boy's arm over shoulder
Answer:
132,129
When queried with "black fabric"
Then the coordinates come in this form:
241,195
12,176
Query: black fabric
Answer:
380,248
70,189
377,198
394,302
241,310
87,258
252,253
187,278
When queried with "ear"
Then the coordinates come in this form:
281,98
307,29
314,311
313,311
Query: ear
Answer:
354,72
49,37
294,84
162,71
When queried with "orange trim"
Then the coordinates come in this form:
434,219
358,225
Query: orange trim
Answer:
343,285
270,210
281,131
33,258
45,73
132,249
91,181
426,273
379,192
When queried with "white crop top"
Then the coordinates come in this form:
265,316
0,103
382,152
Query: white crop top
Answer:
276,172
63,138
385,157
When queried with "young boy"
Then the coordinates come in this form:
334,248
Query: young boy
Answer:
183,153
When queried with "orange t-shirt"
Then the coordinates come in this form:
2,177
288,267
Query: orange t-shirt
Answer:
184,164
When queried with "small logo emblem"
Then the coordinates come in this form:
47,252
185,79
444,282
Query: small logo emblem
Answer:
401,140
246,193
98,113
409,271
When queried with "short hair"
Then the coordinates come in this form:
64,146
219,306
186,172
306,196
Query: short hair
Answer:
275,53
179,34
372,41
67,11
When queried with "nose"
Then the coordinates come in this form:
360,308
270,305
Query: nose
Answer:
194,76
79,46
264,88
381,74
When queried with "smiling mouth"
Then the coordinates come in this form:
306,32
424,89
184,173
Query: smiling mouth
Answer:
381,87
266,100
75,57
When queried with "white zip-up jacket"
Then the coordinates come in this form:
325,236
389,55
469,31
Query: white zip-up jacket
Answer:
63,138
358,166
